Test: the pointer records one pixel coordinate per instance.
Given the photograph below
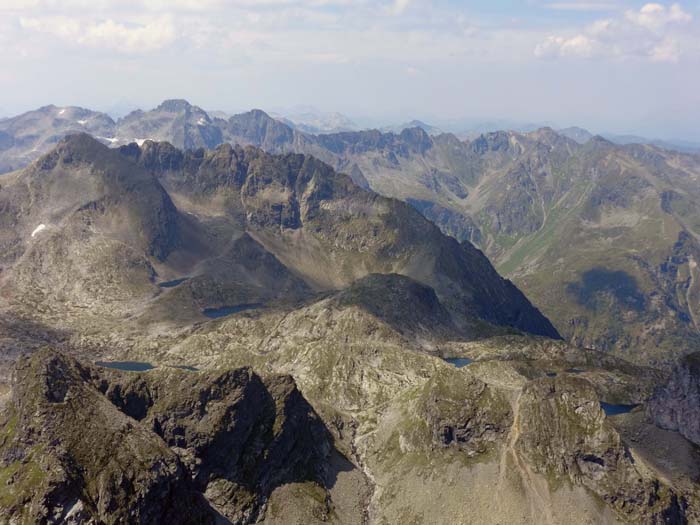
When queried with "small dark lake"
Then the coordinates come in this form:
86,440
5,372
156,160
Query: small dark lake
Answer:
216,313
173,284
459,362
127,366
551,374
614,410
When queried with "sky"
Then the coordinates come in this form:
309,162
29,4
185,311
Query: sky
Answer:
613,66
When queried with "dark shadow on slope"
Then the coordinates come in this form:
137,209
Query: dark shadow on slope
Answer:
409,307
246,436
234,438
597,283
461,227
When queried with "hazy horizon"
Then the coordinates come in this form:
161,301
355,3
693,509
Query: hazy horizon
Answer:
616,67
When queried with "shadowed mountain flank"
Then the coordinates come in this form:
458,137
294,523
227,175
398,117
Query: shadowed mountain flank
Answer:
88,444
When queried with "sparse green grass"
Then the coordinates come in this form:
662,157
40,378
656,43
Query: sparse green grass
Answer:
21,480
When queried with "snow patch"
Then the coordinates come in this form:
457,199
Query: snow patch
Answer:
202,121
76,510
62,111
38,229
111,140
82,122
140,142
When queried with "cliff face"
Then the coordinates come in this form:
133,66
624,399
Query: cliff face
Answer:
676,406
86,445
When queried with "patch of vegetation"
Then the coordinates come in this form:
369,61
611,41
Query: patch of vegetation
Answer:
20,480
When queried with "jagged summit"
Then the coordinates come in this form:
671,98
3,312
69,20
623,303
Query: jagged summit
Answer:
598,140
174,105
257,113
418,124
417,139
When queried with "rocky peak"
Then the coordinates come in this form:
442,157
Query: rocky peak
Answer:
551,138
576,133
49,108
73,149
174,106
156,157
600,142
109,181
259,114
495,141
417,139
259,129
255,117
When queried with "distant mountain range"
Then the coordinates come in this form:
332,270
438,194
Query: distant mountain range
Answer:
602,237
430,130
24,137
310,120
582,136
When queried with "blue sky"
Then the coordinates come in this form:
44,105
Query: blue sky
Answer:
618,66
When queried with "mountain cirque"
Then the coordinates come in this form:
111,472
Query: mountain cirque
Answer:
322,395
603,238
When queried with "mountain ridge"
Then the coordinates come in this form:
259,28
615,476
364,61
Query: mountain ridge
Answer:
277,201
520,197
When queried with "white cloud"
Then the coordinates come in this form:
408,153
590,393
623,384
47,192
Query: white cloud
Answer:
399,6
330,31
656,17
167,5
668,50
107,34
655,32
576,46
582,6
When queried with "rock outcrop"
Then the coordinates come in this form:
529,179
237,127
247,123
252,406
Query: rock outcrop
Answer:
676,406
81,444
562,431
